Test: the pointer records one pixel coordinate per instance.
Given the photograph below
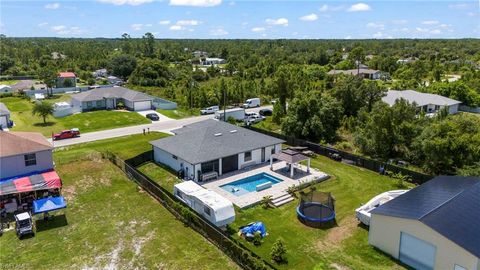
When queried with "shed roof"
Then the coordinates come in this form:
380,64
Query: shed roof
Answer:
3,109
111,92
16,143
66,74
290,156
211,139
419,98
449,205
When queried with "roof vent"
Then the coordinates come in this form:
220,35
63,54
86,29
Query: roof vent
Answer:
233,131
217,134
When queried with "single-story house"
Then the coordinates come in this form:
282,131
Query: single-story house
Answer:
4,116
114,80
100,73
429,103
109,97
22,153
364,72
433,226
205,202
5,88
198,54
213,61
66,76
210,148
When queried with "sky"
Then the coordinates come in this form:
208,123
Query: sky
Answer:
241,19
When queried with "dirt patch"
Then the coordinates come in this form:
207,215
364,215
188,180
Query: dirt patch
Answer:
339,266
337,234
69,192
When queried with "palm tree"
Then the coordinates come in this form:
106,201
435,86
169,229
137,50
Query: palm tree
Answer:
43,109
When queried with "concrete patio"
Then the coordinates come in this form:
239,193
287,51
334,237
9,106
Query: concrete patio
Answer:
243,201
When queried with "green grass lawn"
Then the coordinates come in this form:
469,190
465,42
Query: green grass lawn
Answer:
90,121
9,82
269,125
179,113
109,222
345,245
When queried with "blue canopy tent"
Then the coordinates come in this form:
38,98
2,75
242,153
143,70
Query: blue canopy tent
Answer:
48,204
252,228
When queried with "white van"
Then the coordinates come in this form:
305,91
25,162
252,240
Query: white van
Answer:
209,110
251,103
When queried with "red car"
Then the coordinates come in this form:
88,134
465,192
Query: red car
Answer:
66,134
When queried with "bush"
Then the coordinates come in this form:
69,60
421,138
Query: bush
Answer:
266,200
279,252
231,120
257,239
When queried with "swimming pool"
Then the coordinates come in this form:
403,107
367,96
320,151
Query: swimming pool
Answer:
249,184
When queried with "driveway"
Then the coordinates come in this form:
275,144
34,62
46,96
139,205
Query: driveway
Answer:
23,85
161,116
166,125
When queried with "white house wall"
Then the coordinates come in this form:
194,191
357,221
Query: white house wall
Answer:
166,158
453,109
15,165
4,121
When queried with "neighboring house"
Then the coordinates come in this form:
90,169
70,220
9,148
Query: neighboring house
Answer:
211,148
57,55
5,88
108,98
4,116
407,60
199,54
63,77
365,73
100,73
213,61
114,80
23,153
429,103
433,226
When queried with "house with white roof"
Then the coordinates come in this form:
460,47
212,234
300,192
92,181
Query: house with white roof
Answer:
366,73
207,203
213,61
5,88
429,103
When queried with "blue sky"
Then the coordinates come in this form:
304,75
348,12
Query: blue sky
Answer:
241,19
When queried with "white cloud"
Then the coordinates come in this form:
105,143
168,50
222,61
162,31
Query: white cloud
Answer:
377,35
188,22
64,30
348,37
166,22
279,21
137,26
458,6
177,28
195,3
126,2
325,8
258,29
52,6
436,32
148,25
309,18
421,30
57,28
431,22
218,32
375,25
42,24
444,25
359,7
399,21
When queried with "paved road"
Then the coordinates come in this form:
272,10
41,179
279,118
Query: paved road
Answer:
164,125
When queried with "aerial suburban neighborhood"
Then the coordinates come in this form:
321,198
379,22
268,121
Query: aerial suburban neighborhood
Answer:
213,134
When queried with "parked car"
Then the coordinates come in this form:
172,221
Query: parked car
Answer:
66,134
254,119
153,116
209,110
23,224
251,103
335,156
265,112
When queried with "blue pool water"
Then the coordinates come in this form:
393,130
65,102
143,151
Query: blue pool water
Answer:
249,184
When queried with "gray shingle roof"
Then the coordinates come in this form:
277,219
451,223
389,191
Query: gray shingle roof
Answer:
419,98
111,92
353,71
3,109
211,139
449,205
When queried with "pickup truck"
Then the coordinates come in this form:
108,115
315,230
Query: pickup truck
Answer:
66,134
209,110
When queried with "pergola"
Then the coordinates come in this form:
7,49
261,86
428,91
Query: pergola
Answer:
290,157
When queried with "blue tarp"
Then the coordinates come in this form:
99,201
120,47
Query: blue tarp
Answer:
250,230
48,204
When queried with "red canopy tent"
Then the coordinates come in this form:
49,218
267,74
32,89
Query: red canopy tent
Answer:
34,182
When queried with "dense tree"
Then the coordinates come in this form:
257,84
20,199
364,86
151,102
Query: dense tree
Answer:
122,65
313,116
148,44
456,90
151,72
347,90
48,75
283,86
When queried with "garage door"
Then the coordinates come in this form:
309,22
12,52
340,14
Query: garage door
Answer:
416,253
142,105
3,121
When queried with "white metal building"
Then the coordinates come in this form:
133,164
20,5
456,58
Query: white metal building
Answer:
429,103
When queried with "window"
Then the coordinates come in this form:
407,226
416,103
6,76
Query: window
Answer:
206,210
99,103
458,267
248,156
89,104
30,160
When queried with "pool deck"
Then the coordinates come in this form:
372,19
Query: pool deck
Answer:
249,199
